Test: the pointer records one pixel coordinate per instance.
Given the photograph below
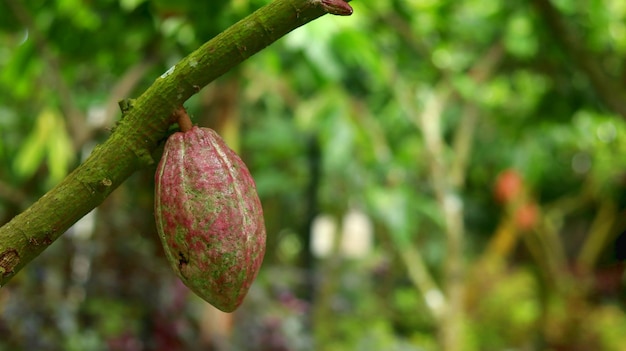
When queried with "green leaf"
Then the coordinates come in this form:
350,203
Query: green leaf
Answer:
519,37
31,154
60,152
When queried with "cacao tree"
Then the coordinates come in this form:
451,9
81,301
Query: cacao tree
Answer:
145,122
450,172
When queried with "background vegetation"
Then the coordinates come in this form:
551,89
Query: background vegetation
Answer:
435,175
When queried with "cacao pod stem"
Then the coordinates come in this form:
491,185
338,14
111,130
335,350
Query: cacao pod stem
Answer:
184,122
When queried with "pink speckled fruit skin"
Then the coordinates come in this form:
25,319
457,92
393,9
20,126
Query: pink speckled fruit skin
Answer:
209,217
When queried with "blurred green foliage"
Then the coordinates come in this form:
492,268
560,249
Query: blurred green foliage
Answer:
338,116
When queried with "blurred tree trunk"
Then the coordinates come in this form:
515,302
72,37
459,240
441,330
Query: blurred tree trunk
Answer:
609,90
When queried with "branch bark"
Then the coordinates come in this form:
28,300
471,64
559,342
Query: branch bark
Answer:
143,127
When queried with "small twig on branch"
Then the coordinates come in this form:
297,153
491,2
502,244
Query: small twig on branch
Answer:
122,89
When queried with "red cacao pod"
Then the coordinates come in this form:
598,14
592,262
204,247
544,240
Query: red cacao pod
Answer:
209,217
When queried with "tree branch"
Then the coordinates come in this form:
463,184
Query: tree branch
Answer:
142,128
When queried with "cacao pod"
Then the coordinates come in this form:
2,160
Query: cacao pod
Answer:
209,217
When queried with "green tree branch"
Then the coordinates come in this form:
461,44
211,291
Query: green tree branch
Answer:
138,134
